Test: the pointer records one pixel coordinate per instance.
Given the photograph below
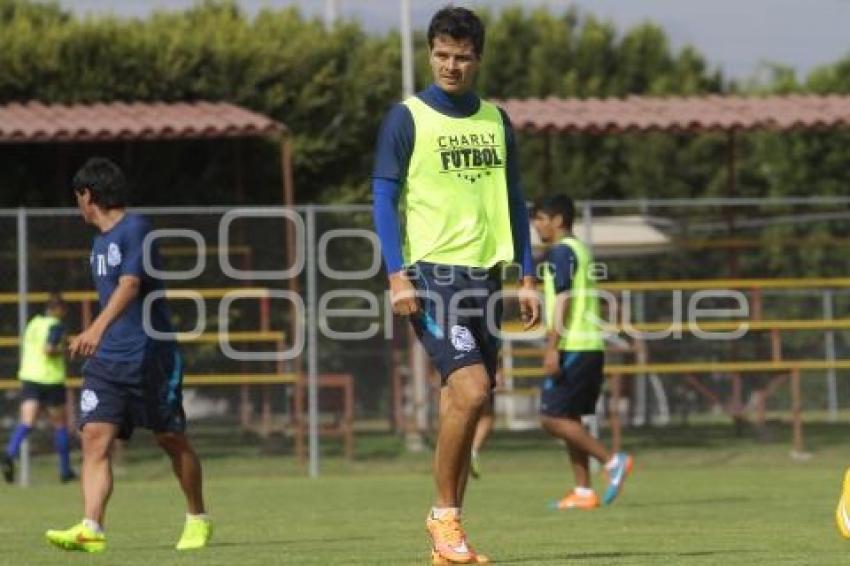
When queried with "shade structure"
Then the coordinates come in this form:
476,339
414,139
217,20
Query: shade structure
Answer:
679,114
34,122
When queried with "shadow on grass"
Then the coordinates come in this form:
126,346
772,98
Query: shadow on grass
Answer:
691,502
561,558
255,543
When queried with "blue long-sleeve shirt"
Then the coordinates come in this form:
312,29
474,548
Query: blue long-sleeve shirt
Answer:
392,157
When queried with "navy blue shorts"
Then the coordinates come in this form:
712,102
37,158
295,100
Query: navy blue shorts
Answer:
575,389
146,393
458,325
46,395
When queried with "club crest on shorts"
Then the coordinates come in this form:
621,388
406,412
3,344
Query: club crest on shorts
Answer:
113,255
88,401
462,338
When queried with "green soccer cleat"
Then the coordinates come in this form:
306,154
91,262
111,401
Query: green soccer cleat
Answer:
196,534
79,537
842,520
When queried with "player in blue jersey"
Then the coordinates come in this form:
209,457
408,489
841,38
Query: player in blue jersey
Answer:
449,159
131,377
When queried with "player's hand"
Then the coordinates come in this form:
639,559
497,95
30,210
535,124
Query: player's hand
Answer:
529,302
551,361
403,295
85,343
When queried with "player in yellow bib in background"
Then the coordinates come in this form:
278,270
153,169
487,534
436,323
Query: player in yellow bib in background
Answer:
575,353
42,376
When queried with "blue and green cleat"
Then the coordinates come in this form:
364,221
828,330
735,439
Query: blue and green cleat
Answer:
617,475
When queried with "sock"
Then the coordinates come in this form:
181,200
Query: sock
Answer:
583,491
14,446
440,512
612,463
63,449
93,525
198,517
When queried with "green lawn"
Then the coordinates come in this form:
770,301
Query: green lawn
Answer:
698,495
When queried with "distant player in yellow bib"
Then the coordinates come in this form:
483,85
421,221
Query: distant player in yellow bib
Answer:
575,353
42,376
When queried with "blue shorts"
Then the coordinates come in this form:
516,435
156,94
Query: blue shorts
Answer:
575,389
47,395
459,322
146,393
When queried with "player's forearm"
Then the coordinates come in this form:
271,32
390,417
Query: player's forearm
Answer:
520,229
556,326
552,338
126,291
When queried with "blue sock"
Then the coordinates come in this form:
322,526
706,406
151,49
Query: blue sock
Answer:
63,448
14,446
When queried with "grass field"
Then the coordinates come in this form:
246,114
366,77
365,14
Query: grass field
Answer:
699,495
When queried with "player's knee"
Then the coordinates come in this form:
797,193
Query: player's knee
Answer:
95,442
58,420
471,398
171,442
469,389
479,397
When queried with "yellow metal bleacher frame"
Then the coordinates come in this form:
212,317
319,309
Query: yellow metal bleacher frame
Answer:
88,298
792,368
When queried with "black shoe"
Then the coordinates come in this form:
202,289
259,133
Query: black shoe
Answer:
69,477
8,469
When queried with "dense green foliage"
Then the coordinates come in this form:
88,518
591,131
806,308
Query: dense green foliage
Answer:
332,88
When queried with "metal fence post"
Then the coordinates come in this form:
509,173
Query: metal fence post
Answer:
641,414
23,292
312,339
829,343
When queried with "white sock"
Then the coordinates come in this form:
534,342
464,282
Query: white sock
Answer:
199,517
583,491
93,525
440,512
610,464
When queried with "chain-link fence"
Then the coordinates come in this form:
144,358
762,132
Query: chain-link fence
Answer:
271,300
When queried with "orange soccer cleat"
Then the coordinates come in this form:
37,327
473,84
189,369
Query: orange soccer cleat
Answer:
448,541
575,501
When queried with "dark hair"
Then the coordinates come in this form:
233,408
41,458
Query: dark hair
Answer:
555,205
104,180
457,23
55,300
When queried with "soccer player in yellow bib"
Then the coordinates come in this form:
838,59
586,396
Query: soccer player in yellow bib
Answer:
842,513
42,376
575,353
449,159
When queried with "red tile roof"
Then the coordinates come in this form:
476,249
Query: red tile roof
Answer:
36,122
722,113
